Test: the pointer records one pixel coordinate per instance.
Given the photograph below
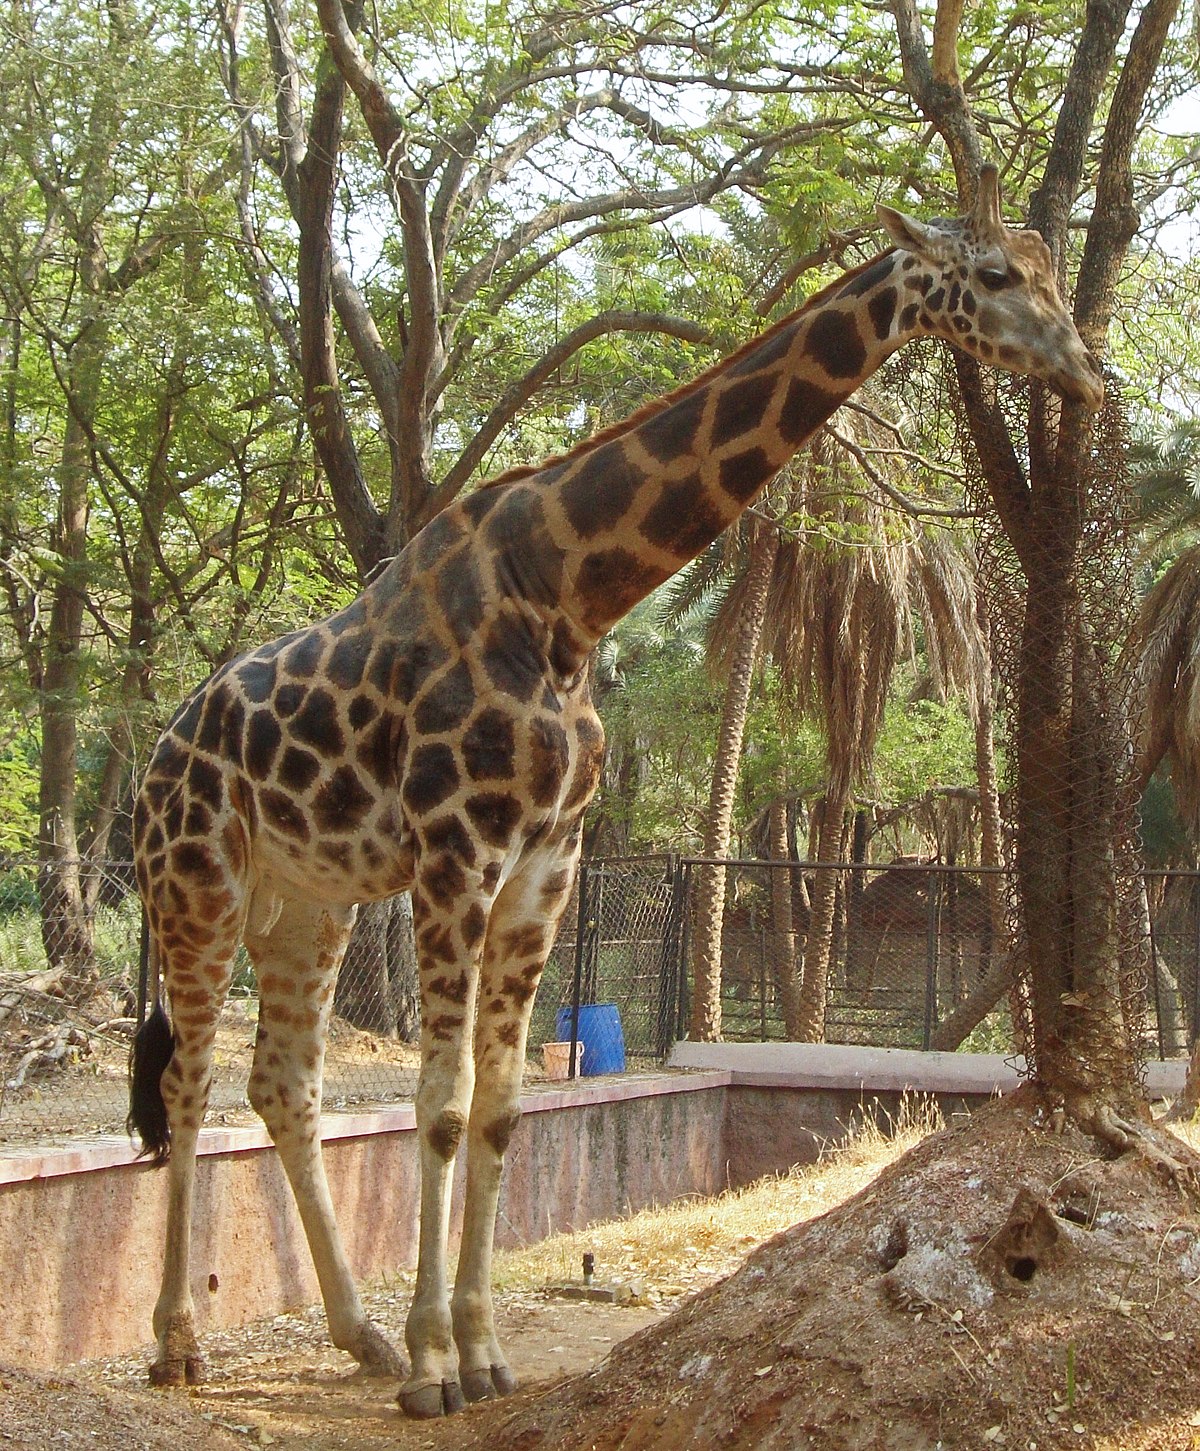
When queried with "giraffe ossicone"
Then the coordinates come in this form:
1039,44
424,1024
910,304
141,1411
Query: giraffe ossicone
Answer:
437,734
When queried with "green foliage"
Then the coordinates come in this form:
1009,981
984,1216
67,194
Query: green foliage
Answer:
204,499
1165,840
993,1035
18,892
661,725
923,744
18,804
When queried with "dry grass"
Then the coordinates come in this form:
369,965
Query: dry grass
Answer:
676,1250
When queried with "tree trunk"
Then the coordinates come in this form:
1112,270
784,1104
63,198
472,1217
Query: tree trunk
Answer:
1072,891
402,965
710,880
66,924
818,948
855,888
991,836
363,995
377,987
783,930
947,1036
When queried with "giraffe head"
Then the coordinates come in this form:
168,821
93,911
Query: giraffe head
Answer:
992,291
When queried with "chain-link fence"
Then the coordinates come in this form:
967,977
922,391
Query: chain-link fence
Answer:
915,962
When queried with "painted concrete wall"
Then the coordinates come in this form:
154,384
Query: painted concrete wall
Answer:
81,1228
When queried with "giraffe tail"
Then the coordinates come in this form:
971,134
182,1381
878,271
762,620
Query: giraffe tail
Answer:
153,1045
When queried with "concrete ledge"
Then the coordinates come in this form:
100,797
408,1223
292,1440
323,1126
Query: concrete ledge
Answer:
20,1164
882,1070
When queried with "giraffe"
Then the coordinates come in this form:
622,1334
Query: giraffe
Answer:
437,734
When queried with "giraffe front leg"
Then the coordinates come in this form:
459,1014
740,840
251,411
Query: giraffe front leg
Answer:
520,935
433,1388
449,932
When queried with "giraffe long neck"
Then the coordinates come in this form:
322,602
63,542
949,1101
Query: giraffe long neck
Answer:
630,510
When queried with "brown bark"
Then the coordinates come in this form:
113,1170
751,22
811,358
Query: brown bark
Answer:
818,946
316,178
1068,762
710,880
991,836
783,926
66,925
978,1003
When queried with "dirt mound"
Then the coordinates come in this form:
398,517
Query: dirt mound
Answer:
1002,1285
48,1412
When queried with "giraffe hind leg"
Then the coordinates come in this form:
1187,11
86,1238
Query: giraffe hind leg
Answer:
297,960
196,989
520,933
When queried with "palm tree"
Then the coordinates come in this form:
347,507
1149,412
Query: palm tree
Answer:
1163,646
839,621
828,593
1162,650
742,655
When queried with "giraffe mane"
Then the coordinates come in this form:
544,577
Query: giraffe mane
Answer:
666,400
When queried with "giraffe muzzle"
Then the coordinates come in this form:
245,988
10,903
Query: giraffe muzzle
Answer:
1083,384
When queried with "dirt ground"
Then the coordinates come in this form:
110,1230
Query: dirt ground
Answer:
312,1401
285,1386
1001,1285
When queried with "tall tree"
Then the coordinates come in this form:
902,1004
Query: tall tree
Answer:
1070,755
119,344
529,141
710,879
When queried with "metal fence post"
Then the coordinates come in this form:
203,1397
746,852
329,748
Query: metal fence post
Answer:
931,958
671,962
1158,1007
685,925
762,986
581,934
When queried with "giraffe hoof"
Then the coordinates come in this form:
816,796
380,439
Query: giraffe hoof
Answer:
488,1384
428,1402
188,1371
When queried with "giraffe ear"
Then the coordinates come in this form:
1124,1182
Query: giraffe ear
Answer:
912,235
986,211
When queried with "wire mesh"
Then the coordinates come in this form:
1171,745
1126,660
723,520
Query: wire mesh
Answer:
1074,825
912,952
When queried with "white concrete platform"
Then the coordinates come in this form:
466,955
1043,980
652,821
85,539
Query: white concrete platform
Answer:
878,1070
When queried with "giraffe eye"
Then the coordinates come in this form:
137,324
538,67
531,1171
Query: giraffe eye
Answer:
994,278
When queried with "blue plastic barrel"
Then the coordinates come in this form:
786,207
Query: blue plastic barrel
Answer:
600,1037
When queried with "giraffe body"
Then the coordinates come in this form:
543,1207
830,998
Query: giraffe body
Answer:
438,734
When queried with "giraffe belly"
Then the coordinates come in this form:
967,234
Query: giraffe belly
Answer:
371,863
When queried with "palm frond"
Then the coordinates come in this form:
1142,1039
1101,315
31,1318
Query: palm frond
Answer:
1163,649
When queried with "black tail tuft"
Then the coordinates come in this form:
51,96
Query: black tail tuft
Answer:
151,1052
